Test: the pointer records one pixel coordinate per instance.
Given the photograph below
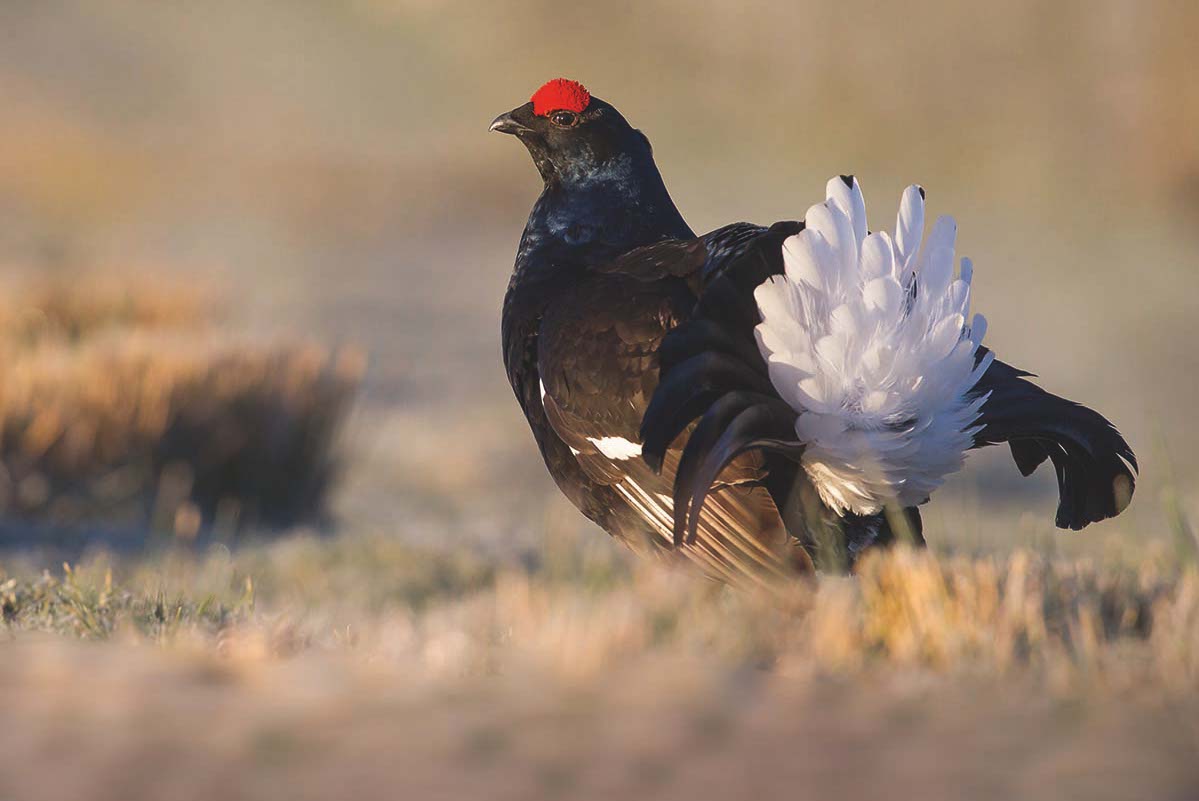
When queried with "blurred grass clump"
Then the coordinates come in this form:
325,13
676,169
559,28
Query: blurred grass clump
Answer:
122,402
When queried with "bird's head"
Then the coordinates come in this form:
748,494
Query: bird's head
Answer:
572,135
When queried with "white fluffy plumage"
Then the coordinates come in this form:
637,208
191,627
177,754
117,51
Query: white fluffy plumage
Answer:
866,337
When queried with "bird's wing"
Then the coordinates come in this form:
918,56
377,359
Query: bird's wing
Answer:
598,362
715,383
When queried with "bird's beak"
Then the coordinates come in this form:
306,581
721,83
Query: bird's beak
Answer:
509,122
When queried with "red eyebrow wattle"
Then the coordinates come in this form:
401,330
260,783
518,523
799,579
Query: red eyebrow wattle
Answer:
560,94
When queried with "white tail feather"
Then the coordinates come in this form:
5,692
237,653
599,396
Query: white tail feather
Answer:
866,338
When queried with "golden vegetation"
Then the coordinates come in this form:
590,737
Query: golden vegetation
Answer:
589,610
122,403
298,664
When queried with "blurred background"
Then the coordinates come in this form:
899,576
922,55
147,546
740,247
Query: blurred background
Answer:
324,166
253,253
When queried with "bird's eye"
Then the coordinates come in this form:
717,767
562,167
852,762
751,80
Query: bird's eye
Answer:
564,119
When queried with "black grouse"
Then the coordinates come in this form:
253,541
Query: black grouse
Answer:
758,399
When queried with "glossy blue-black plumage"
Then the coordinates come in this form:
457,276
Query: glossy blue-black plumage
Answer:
623,331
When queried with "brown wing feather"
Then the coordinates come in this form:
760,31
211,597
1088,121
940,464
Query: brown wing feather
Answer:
598,361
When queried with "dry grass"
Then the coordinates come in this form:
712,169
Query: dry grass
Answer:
122,403
333,156
1065,619
308,666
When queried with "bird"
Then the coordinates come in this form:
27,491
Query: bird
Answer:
759,401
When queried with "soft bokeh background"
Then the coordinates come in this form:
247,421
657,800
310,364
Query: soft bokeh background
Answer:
323,169
328,160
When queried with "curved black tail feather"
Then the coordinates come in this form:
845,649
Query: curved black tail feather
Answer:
1095,466
734,424
713,373
689,393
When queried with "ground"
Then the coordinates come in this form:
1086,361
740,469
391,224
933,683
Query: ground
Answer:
314,667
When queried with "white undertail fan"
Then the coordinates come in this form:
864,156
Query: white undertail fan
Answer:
855,356
865,336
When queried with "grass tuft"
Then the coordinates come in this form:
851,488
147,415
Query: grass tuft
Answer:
122,404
